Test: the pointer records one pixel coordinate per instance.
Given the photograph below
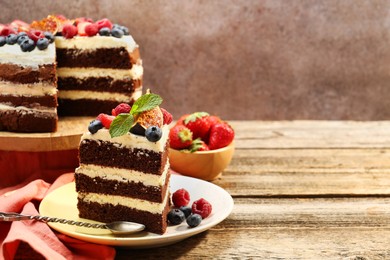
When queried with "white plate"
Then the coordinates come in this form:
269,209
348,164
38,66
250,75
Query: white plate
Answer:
62,203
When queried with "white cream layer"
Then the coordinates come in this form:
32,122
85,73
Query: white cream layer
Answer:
135,72
12,54
96,42
144,205
130,140
98,95
50,110
123,175
31,89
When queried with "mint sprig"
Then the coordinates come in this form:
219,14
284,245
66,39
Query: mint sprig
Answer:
123,122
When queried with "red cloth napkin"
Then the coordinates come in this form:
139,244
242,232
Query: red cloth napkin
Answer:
44,241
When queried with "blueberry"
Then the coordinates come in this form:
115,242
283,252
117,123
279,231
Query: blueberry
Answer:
12,39
176,216
105,31
49,36
3,41
116,32
153,133
27,45
125,30
22,38
186,210
95,126
42,43
194,220
21,34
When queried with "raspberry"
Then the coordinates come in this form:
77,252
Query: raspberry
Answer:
202,207
91,29
36,35
181,198
121,108
105,119
167,116
69,31
104,23
5,31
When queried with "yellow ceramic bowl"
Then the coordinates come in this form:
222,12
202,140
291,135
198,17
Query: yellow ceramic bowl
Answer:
205,165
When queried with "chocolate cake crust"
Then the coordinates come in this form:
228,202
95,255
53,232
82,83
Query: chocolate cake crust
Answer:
93,152
106,84
117,58
24,75
29,101
20,121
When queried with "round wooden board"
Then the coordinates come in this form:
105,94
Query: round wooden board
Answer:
67,137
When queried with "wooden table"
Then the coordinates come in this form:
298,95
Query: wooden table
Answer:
302,190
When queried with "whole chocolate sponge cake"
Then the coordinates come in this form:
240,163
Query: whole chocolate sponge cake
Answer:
89,65
124,166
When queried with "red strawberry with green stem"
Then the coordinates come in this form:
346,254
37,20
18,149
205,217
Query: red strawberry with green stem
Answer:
180,137
221,135
198,124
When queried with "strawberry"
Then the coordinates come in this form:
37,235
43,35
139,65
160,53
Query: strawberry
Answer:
180,137
221,135
121,108
167,116
105,119
82,20
198,145
81,28
198,124
104,23
181,119
6,30
91,29
213,120
69,31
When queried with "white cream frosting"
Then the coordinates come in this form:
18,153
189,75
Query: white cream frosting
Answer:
135,72
130,140
98,95
30,89
12,54
42,109
144,205
123,175
96,42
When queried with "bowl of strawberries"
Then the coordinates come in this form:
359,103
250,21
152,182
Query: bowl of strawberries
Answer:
201,145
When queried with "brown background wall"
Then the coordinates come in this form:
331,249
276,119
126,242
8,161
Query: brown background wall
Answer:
254,59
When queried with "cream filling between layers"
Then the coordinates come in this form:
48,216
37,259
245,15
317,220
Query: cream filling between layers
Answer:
143,205
130,140
96,42
42,109
31,89
98,95
123,175
135,72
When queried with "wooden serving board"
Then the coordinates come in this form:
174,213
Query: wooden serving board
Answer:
67,137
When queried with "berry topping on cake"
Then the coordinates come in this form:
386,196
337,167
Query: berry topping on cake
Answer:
105,119
105,31
22,38
202,207
180,198
153,133
27,46
5,31
180,137
117,32
95,126
166,116
81,28
104,23
35,35
121,108
198,124
11,39
49,36
176,216
91,29
42,43
221,135
194,220
3,41
69,31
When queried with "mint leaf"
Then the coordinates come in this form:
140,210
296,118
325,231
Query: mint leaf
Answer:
145,102
121,125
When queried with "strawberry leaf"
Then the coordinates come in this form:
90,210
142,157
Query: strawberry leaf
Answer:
194,116
121,125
